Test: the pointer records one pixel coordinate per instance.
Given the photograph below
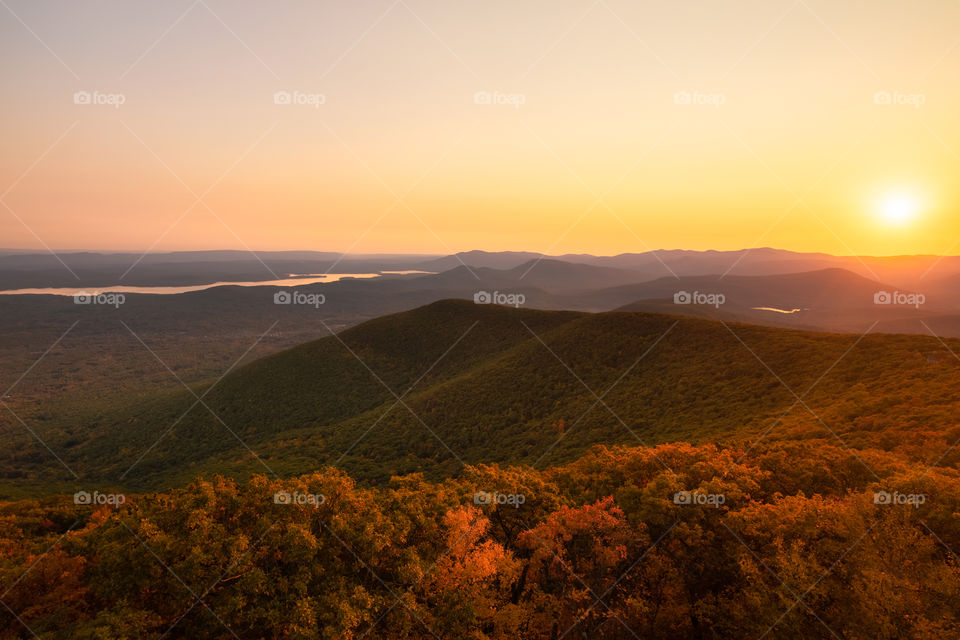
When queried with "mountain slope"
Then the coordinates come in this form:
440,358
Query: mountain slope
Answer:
482,383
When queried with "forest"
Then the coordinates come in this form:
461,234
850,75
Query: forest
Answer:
479,384
805,539
480,472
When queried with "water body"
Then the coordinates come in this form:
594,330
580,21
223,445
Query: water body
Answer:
774,309
293,281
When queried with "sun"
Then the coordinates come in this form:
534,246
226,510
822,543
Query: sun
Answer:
899,208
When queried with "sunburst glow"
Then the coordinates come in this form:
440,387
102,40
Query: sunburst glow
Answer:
899,208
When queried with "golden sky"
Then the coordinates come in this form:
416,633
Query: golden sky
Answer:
412,126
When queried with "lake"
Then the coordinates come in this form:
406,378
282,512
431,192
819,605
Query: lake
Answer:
293,281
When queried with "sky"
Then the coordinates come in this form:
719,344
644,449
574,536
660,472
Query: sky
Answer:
594,126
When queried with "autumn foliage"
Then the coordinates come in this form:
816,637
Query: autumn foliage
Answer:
798,547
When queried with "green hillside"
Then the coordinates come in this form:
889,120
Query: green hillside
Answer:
515,386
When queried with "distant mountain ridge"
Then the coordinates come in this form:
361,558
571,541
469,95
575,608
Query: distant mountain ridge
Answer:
825,299
23,270
904,271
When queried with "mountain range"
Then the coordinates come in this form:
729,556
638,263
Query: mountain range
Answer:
91,269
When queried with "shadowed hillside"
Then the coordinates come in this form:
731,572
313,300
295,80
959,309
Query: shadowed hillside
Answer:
481,383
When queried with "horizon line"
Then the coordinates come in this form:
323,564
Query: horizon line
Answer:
31,251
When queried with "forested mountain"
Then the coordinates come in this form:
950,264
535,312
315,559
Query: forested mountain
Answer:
484,383
473,470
